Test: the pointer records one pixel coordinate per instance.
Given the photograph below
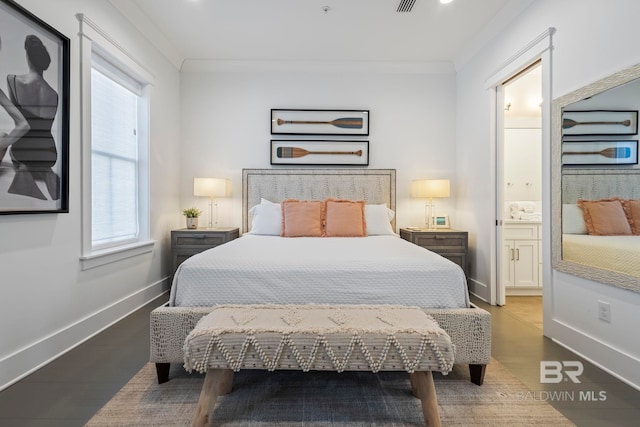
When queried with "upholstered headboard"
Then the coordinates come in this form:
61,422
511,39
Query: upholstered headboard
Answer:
374,186
592,184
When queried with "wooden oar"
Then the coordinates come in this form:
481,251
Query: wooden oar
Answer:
568,123
293,152
346,122
612,152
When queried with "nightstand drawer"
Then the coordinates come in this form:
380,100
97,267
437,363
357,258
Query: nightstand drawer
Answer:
186,243
198,239
448,242
180,257
458,258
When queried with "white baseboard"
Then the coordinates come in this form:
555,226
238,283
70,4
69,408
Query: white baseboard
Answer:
523,292
480,290
623,366
21,363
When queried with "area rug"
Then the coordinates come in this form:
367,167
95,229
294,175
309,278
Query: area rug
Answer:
293,398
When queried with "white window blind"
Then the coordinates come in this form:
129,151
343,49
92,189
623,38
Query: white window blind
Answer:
115,99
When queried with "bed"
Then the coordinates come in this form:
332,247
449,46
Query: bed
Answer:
265,268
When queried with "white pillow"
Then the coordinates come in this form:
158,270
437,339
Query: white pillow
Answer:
378,218
267,218
573,219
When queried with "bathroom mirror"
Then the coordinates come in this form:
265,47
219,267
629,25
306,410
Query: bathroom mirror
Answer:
594,156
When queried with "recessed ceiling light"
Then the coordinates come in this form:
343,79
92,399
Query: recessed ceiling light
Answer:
445,1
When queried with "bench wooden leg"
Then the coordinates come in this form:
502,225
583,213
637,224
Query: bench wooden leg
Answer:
226,382
215,381
426,389
414,386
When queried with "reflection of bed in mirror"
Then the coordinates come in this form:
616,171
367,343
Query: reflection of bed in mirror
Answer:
613,253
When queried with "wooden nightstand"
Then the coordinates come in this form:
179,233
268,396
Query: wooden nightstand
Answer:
451,244
186,242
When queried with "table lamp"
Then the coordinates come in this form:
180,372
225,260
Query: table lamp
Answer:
428,189
211,188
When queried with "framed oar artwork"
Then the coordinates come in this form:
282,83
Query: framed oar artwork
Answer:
600,122
320,122
319,152
601,153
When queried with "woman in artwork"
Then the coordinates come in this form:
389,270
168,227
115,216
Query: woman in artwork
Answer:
35,152
20,124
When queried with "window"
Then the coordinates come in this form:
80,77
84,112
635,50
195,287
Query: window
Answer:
115,102
114,155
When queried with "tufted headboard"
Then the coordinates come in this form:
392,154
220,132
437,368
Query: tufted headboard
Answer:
594,184
374,186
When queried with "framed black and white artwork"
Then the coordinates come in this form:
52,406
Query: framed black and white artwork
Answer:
34,114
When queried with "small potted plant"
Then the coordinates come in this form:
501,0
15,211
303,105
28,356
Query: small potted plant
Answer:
192,215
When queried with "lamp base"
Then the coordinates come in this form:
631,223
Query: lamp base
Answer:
429,209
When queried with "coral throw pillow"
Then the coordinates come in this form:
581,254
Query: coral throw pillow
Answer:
302,218
345,218
632,209
605,217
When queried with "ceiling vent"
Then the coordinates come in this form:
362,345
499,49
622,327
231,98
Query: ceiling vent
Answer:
405,5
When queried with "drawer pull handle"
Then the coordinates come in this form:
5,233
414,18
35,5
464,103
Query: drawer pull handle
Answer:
512,257
199,236
517,254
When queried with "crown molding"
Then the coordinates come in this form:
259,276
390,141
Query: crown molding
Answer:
387,67
141,22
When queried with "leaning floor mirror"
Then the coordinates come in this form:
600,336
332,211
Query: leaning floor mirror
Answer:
595,198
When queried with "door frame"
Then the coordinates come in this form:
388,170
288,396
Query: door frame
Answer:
539,48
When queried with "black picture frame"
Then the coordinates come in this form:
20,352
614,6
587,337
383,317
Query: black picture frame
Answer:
34,169
601,153
599,122
319,122
319,152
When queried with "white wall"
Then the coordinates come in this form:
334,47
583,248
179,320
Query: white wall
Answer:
522,165
592,40
49,303
226,126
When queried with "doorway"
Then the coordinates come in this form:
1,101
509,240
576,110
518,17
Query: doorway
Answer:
519,189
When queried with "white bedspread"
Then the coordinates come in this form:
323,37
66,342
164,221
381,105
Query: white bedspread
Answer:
268,269
614,253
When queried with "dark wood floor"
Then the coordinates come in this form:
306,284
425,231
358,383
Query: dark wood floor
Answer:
68,391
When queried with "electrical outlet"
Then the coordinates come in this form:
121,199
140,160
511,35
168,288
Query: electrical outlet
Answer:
604,311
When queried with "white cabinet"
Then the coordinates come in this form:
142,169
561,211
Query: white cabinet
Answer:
521,256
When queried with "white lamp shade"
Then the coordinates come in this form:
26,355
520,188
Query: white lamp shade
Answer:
427,188
211,187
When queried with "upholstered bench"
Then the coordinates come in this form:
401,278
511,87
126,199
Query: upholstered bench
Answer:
317,337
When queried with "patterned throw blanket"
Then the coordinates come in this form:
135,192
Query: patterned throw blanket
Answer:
319,337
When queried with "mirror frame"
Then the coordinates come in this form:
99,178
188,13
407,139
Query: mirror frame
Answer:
592,273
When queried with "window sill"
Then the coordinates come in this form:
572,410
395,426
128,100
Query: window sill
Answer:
107,256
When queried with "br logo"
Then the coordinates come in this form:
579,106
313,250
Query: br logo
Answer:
552,371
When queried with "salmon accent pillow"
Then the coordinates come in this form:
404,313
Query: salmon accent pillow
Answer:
605,217
632,210
345,218
302,218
